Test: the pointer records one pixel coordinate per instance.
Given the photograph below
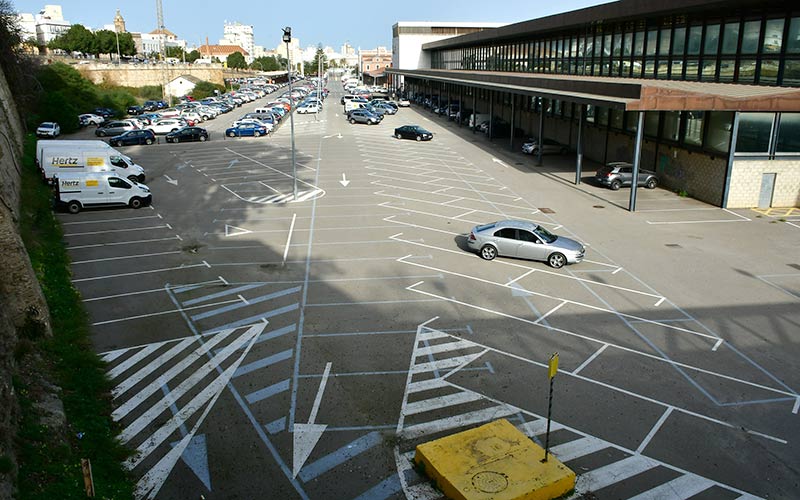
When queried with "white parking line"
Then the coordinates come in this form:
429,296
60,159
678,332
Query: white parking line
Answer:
124,257
133,242
289,239
167,226
110,220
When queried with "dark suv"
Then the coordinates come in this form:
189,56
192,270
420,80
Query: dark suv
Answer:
620,173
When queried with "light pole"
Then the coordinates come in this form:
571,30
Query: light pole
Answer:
287,38
116,33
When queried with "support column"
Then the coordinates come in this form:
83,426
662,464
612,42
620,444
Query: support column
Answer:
511,141
491,113
542,107
637,156
579,146
731,154
447,110
460,105
474,108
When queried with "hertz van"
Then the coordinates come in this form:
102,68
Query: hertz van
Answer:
55,161
75,191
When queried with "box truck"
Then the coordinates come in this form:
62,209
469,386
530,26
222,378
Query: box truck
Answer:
74,191
83,159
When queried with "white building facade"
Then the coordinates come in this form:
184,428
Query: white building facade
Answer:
50,23
241,35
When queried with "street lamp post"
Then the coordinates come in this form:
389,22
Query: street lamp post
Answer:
287,38
119,58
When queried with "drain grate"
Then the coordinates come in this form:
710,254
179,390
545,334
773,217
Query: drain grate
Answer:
672,245
546,210
598,206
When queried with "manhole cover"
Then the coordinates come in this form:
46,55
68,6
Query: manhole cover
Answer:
598,206
546,210
672,245
490,482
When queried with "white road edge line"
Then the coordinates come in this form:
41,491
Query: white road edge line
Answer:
289,238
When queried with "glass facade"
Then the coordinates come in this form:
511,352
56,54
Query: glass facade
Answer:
762,49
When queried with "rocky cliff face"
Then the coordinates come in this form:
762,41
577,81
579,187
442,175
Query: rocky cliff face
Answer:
23,311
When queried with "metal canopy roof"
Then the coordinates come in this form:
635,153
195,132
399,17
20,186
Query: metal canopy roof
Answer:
630,94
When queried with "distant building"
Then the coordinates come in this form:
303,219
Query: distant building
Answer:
50,24
221,52
27,26
373,63
181,85
119,23
241,35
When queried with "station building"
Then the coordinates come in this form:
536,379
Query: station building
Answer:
704,93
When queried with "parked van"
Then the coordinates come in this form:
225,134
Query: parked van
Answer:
74,191
354,104
66,143
475,120
88,159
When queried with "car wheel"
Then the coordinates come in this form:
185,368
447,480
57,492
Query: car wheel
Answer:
419,138
651,183
74,207
399,136
231,134
556,260
202,138
136,202
352,121
615,185
148,141
173,130
488,252
101,133
256,133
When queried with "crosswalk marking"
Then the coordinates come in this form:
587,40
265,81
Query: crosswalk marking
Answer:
449,346
462,420
685,486
427,385
441,402
239,305
217,295
539,426
263,363
578,448
442,364
256,318
612,473
268,392
133,360
340,456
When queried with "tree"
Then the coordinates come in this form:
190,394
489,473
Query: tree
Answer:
236,61
204,89
192,56
174,51
311,68
106,42
76,39
270,63
127,47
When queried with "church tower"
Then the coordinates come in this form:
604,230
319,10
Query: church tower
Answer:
119,23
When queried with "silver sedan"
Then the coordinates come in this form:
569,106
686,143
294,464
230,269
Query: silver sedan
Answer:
524,240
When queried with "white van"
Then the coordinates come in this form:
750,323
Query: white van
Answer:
67,143
475,120
75,191
55,161
354,104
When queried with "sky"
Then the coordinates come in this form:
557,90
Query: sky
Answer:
313,22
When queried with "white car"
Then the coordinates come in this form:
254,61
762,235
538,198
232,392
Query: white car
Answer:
167,125
308,108
90,119
207,112
48,129
192,117
403,102
169,113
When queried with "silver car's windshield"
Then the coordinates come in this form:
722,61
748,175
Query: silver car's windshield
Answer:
545,235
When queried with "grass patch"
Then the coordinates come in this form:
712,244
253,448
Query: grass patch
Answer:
49,464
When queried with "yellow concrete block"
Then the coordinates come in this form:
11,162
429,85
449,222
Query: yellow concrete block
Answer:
493,462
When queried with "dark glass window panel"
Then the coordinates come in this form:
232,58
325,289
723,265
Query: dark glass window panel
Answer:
791,73
680,41
616,50
649,68
773,36
590,113
672,125
627,46
631,121
602,116
789,133
793,42
726,70
730,38
718,133
695,37
663,43
694,128
755,130
616,117
677,69
662,70
709,70
638,43
768,74
598,44
747,71
573,51
652,40
711,44
750,34
651,123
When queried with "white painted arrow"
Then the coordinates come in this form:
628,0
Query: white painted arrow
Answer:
338,136
233,162
172,181
235,231
307,435
344,182
500,162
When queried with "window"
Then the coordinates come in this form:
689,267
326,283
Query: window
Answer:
631,121
730,38
793,42
115,182
508,232
791,73
773,36
750,34
694,128
527,236
755,130
663,43
695,36
652,39
602,116
711,44
651,124
679,43
638,44
615,118
747,71
118,161
718,136
768,75
672,125
789,133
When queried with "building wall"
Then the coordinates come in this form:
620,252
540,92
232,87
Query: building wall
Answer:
746,182
139,76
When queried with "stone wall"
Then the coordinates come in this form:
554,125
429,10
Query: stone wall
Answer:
129,75
746,182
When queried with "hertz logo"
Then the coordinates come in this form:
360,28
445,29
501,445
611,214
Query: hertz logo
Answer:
70,184
64,161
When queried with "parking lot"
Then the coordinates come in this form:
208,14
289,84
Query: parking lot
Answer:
267,345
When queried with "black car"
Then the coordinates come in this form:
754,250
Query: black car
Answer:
412,132
135,110
188,134
132,137
104,112
150,106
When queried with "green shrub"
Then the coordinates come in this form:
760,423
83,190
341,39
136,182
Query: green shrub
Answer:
205,89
